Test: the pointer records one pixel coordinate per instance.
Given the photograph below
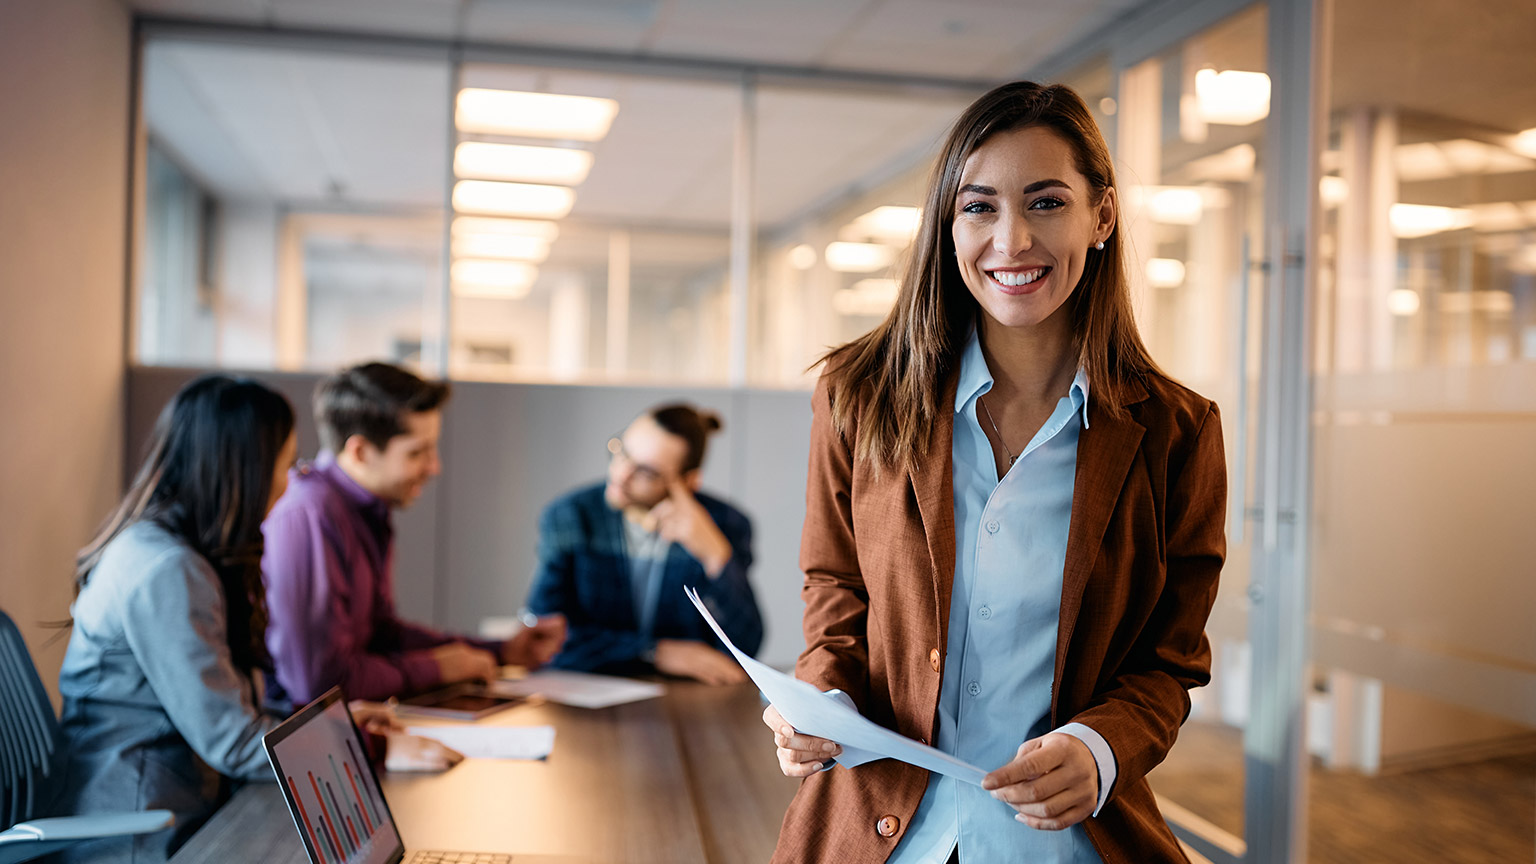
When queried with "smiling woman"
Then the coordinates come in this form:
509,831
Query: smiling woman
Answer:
1029,593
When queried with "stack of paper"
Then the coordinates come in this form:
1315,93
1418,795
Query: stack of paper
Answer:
493,742
581,689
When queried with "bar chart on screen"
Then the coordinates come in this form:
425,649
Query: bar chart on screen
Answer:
333,795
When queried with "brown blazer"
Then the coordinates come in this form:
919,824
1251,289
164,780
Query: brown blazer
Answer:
1144,550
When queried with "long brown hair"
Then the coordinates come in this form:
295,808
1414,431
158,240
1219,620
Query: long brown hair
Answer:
890,380
207,478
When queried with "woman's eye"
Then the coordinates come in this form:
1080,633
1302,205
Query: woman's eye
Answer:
976,207
1047,203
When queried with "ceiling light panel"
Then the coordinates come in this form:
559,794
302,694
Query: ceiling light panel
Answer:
559,166
859,257
534,115
512,199
474,277
542,229
1232,97
507,246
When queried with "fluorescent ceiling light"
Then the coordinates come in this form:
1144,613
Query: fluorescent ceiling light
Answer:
560,166
1232,98
802,257
873,297
474,277
1165,272
512,199
847,257
1525,143
509,246
1332,190
1457,157
889,223
544,230
1421,220
1175,205
1403,302
534,115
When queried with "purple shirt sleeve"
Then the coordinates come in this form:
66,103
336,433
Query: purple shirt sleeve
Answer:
314,633
402,635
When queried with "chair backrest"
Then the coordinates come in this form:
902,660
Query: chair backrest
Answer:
29,732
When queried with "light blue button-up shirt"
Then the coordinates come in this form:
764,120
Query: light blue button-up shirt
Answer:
1010,551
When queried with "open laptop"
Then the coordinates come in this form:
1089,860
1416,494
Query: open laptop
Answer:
334,796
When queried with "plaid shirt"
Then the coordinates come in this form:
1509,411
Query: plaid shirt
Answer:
584,574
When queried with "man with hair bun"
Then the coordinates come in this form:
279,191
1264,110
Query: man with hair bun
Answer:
614,558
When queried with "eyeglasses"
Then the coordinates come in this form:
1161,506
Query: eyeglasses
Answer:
640,471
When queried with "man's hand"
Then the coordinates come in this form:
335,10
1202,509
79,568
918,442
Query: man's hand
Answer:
457,661
686,658
681,519
536,643
413,753
1053,782
799,755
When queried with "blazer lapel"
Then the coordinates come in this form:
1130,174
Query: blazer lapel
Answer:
934,489
1105,451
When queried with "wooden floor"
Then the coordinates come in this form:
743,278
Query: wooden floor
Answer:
1475,813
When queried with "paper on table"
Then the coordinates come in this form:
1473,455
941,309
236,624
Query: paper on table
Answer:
581,689
816,713
493,742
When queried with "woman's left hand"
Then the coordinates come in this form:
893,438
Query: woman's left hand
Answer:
375,717
1052,781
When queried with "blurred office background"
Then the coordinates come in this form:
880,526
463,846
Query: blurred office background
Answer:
1331,205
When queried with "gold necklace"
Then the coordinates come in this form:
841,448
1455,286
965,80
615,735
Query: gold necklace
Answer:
996,431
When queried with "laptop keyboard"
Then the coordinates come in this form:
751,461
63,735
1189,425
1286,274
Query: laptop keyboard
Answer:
458,858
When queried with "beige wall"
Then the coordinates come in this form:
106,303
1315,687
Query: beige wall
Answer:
64,107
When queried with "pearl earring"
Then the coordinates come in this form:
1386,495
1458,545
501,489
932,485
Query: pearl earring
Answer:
1099,245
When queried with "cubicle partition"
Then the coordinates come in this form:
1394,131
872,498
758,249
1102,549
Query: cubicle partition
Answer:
465,551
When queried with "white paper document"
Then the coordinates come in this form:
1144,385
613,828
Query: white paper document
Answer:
493,742
826,716
581,689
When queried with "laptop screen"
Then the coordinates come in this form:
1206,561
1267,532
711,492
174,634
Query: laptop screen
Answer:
330,787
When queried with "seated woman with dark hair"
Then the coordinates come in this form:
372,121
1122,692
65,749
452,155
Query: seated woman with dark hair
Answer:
160,683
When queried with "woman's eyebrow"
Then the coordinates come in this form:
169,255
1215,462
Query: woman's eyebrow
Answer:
1033,187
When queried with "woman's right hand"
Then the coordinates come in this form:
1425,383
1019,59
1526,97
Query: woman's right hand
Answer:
799,755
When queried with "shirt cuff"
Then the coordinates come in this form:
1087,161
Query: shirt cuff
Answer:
1103,756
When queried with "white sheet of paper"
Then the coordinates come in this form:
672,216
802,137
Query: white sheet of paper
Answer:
493,742
581,689
826,716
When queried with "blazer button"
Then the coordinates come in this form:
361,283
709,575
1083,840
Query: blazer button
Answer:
888,826
933,659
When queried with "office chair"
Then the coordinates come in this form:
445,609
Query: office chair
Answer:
29,739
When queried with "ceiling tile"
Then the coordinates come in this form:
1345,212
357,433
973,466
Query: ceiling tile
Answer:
605,25
424,18
788,32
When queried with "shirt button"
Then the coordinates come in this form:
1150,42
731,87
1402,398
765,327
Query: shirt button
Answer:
973,688
992,527
984,612
888,826
933,659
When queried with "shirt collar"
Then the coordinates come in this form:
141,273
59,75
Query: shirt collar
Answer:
976,379
325,465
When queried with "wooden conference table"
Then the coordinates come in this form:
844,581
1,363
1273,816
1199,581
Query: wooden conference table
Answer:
688,777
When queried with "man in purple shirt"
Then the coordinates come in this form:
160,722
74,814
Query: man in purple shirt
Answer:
329,556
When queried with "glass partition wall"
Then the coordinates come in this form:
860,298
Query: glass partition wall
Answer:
308,205
1424,409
